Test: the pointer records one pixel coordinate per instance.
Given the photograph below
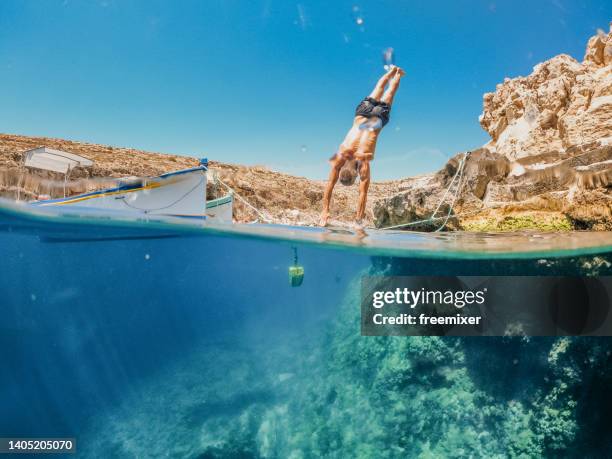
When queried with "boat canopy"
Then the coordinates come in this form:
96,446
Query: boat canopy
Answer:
54,160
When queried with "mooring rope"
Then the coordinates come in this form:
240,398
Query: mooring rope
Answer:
457,178
432,218
244,201
457,193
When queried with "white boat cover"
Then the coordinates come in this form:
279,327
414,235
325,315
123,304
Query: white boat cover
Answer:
54,160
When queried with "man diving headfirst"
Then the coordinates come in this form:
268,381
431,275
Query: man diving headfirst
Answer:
357,149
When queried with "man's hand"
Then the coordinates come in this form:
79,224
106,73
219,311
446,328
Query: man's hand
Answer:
324,218
358,224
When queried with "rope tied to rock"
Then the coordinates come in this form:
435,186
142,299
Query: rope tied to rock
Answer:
458,177
259,213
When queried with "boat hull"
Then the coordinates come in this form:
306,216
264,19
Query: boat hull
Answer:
179,194
221,209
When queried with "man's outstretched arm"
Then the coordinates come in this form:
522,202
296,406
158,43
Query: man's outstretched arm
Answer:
364,185
337,164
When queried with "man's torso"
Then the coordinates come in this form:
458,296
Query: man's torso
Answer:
359,143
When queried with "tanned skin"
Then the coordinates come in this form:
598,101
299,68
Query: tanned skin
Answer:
359,146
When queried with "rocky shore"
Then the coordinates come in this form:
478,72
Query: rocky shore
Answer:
548,165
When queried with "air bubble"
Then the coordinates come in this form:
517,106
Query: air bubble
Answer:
358,17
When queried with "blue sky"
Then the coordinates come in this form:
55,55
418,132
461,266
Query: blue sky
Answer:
272,82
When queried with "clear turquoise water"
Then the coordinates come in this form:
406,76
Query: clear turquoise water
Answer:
160,339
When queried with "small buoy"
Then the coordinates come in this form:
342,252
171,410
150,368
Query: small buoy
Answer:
296,272
296,275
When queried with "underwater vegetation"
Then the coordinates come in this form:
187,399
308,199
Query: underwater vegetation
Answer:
337,394
539,222
437,397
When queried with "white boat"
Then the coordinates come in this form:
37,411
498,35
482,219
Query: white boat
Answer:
221,209
178,194
50,159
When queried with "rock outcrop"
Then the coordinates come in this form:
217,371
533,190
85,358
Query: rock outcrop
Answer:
562,104
548,163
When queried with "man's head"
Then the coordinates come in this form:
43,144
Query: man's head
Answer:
348,173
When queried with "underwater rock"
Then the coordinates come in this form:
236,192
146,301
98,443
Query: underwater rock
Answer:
330,392
434,397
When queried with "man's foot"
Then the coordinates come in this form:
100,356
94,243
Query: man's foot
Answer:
400,71
324,219
391,71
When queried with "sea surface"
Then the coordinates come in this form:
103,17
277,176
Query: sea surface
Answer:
171,338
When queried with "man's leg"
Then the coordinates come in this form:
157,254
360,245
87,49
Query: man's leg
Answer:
337,164
393,87
364,185
380,86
